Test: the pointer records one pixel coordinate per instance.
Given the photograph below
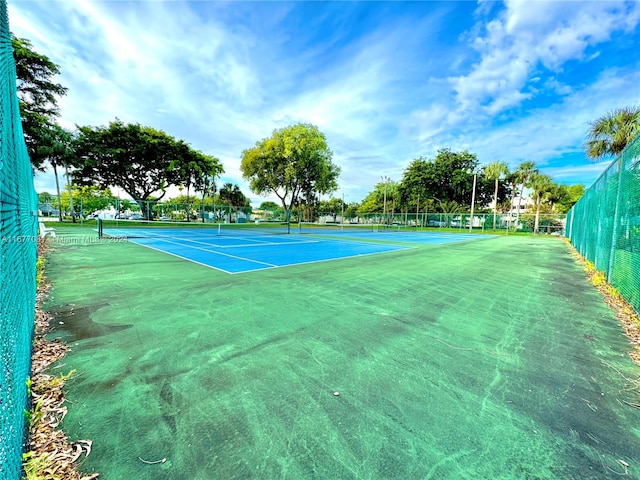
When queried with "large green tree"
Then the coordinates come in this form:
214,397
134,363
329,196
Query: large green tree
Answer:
38,95
294,162
610,134
378,200
140,160
568,197
333,206
269,205
447,179
87,199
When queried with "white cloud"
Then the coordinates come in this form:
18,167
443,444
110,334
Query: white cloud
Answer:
224,75
530,33
547,135
571,172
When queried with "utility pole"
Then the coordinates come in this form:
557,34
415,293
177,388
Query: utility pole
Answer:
473,201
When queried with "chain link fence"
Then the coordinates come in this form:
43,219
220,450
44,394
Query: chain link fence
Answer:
604,226
18,203
481,222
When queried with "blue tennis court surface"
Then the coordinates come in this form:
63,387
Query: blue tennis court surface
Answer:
238,254
433,238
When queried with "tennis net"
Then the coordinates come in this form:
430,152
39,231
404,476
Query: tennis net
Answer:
334,228
353,228
154,228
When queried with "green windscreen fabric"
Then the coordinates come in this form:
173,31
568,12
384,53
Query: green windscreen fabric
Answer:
604,225
17,264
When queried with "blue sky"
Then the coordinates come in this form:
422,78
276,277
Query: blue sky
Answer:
386,82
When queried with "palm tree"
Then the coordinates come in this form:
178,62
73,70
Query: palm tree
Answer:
232,195
542,186
56,146
494,171
524,172
226,193
512,179
608,136
611,133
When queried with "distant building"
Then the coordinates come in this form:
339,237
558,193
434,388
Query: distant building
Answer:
107,214
526,203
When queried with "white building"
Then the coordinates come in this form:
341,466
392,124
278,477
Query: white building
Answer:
525,204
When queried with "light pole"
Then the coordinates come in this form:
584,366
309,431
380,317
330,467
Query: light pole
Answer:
473,201
384,203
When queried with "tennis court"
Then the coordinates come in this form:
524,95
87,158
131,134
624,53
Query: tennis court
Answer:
245,248
465,360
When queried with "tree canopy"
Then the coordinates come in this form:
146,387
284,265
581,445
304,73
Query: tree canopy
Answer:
140,160
567,197
38,95
385,196
333,205
88,199
193,169
294,162
269,205
446,178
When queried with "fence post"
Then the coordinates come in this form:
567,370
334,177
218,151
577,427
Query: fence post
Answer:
614,230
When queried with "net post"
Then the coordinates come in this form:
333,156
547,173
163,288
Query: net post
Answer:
100,227
287,219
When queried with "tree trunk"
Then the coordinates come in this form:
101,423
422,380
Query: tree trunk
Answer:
535,226
203,194
55,174
519,204
495,205
513,193
73,213
188,205
287,212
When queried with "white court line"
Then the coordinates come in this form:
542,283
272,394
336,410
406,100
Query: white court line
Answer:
213,251
217,245
268,266
259,244
395,249
185,258
271,244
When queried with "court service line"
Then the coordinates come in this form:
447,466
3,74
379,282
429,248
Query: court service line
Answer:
344,257
217,253
186,258
303,242
258,244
